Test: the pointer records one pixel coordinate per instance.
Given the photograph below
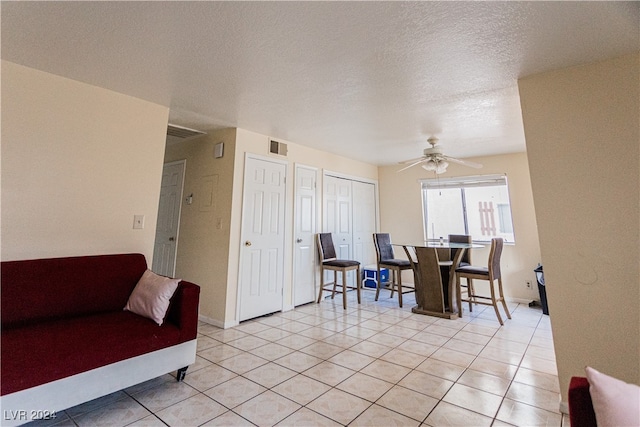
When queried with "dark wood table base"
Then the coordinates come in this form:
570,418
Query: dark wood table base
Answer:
435,288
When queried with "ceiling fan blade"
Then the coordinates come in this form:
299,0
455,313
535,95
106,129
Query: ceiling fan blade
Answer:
412,164
463,162
412,160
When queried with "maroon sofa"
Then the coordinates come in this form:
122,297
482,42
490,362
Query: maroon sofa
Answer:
66,339
581,413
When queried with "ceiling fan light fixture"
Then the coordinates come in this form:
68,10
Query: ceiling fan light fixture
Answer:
442,166
433,159
437,166
430,165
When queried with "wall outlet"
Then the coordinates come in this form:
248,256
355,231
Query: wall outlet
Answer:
528,283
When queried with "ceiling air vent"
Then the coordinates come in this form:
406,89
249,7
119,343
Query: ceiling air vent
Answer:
178,133
276,147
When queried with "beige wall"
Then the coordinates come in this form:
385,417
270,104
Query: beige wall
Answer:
203,241
401,216
78,162
209,239
582,130
253,143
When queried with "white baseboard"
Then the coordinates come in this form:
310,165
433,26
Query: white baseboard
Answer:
564,408
519,300
218,323
232,323
288,308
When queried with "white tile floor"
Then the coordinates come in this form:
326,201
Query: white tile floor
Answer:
370,365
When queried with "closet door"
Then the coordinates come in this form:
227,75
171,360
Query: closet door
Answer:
364,221
337,215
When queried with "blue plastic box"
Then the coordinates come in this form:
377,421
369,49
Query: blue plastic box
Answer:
370,273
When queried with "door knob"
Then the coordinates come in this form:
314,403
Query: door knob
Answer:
247,243
298,240
171,239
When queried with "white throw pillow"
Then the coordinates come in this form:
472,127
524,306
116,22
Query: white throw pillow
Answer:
150,298
615,402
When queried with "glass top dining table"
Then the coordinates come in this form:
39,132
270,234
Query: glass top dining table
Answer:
435,280
443,245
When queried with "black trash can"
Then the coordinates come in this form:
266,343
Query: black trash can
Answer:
542,289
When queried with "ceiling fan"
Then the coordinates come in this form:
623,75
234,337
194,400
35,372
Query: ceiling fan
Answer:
433,159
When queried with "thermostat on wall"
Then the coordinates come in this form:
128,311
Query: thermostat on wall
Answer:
218,149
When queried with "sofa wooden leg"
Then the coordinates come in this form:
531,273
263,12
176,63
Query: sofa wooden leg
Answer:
182,372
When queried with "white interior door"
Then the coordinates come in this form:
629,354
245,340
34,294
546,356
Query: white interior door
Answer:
337,215
262,253
364,222
337,220
166,242
350,213
304,290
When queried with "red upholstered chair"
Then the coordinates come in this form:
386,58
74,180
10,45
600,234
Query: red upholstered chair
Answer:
581,413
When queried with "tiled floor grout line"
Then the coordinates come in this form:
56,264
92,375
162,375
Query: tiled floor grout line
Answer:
413,369
360,371
463,372
406,339
329,317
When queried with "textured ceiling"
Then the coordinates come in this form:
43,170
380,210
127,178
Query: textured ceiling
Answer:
367,80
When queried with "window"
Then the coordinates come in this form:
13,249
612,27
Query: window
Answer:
475,205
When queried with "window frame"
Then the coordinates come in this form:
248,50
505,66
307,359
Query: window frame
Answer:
461,183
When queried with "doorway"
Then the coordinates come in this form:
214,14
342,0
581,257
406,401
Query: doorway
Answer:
167,228
262,238
304,253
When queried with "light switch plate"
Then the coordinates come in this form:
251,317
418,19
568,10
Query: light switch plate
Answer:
138,222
